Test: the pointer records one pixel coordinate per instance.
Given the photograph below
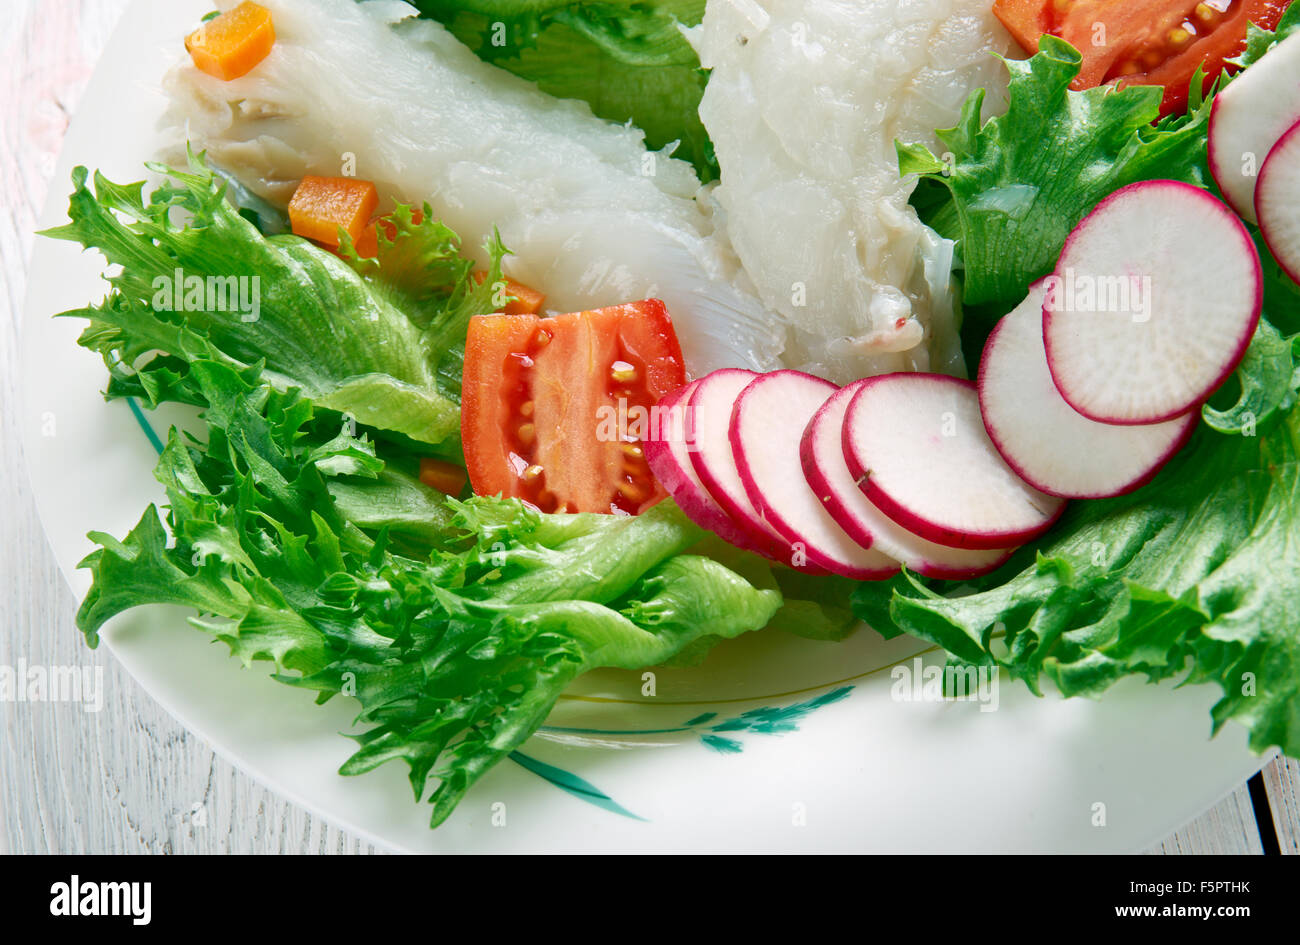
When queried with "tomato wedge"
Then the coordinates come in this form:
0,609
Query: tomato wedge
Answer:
553,410
1142,42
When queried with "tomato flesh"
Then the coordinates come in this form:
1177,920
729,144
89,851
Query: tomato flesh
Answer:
1142,42
553,410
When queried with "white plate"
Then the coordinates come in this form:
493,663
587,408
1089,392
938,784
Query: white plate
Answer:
835,764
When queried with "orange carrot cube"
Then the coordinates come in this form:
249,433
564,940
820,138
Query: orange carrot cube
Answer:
447,478
322,205
526,301
231,44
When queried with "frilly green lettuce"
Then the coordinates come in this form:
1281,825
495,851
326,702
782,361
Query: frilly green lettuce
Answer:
455,653
351,339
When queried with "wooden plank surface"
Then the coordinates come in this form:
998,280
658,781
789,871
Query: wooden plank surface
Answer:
1228,827
128,778
1282,782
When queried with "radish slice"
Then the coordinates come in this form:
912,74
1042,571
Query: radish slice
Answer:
1247,119
917,445
821,451
766,426
668,452
1042,438
1277,202
711,404
1154,300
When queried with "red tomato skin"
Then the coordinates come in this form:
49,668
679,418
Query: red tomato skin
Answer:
536,391
1135,30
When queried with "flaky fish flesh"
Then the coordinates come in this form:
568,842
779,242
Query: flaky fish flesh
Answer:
804,103
592,217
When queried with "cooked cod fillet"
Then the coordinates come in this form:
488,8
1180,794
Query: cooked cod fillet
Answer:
803,104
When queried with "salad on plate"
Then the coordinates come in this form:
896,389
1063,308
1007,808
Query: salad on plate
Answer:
523,340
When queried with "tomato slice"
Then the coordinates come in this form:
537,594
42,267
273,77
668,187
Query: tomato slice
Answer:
1026,20
1142,42
553,410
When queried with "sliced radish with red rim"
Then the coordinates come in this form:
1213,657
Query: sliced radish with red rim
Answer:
668,452
917,446
1053,447
711,404
766,426
1277,202
1247,119
1155,297
821,452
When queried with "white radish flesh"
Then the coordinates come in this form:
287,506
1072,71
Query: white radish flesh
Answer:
1155,297
1247,119
711,404
1277,201
1052,446
918,448
668,452
766,426
821,451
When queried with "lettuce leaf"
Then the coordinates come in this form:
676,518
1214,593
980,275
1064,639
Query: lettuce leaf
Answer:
627,59
296,524
1018,184
280,531
352,335
1267,378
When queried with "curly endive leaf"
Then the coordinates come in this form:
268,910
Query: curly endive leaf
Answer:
1194,576
456,656
198,280
1020,182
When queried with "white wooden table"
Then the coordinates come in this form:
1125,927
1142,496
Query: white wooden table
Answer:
129,778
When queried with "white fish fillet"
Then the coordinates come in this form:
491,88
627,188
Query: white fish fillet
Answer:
807,255
803,105
592,217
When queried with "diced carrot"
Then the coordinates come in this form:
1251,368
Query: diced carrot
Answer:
447,478
367,245
230,45
526,301
321,205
